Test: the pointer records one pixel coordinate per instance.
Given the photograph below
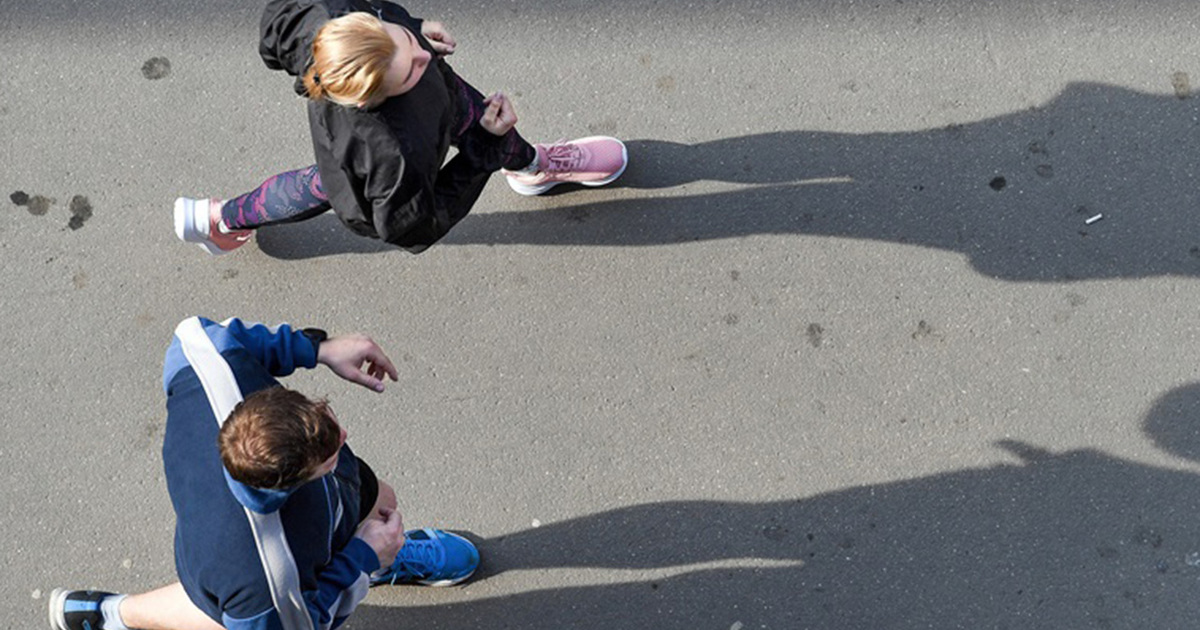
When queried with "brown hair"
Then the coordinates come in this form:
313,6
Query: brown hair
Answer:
350,56
277,438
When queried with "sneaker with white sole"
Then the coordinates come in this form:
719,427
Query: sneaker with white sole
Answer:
198,221
431,557
76,610
591,161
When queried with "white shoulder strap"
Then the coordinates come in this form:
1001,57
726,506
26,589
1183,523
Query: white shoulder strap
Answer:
223,395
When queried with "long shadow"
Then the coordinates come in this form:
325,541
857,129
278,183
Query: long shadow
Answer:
1012,194
1079,539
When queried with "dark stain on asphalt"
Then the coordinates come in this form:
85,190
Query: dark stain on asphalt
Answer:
39,205
1181,84
998,183
229,274
665,83
732,319
735,275
1037,148
80,279
81,211
156,68
923,330
19,197
1148,536
816,335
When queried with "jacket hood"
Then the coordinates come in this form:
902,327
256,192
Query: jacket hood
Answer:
259,500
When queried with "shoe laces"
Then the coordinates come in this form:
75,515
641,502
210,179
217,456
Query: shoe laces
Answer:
564,156
418,559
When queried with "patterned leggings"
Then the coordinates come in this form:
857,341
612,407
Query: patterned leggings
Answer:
297,195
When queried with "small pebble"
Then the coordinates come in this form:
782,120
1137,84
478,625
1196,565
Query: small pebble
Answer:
537,523
127,563
1162,566
737,625
36,594
1193,559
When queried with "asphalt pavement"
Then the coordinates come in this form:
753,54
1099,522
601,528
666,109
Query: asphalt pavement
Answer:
889,324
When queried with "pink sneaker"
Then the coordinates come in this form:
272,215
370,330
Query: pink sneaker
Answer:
593,161
196,221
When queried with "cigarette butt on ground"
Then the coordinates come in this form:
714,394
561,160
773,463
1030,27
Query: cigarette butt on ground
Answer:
1094,219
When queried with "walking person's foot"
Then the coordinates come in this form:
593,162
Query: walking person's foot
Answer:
76,610
431,557
199,221
591,161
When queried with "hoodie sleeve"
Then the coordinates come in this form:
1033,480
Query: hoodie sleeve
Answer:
341,585
279,349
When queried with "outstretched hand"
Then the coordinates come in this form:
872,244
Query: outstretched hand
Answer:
499,118
357,359
443,44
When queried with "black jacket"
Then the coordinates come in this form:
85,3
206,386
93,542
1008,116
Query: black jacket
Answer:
382,167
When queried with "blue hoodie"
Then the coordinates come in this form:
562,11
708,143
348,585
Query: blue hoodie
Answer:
253,558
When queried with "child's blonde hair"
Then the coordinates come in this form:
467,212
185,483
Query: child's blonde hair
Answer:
350,56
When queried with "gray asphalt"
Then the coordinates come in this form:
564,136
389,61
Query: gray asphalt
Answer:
840,349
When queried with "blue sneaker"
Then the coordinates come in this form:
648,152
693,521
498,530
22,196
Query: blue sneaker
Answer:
76,610
431,557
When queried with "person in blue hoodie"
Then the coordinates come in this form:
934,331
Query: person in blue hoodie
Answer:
279,525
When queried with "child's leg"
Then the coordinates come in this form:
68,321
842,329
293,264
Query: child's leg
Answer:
511,152
285,198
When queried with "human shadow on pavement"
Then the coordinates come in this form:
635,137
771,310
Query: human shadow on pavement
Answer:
1077,539
315,238
1012,194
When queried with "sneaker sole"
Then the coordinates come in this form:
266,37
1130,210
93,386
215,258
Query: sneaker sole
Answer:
185,226
530,191
58,620
441,583
433,583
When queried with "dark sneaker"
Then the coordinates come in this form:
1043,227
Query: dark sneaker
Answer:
76,610
431,557
198,221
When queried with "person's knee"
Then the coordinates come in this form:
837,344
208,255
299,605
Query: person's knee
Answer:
386,501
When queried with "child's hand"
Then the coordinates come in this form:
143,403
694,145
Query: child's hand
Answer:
499,117
443,44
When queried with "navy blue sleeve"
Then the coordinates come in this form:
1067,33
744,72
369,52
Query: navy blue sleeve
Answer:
279,349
